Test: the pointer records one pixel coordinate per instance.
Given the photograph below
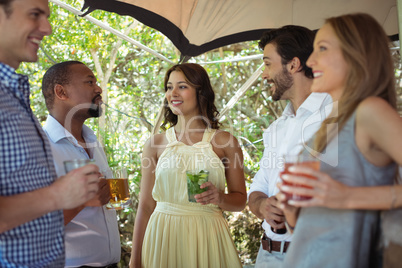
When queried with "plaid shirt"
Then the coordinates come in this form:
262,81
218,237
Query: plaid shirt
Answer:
26,164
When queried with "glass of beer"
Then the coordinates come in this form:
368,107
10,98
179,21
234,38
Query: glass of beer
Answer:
119,191
304,159
76,163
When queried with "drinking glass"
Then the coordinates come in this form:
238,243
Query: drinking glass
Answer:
119,190
304,159
194,180
76,163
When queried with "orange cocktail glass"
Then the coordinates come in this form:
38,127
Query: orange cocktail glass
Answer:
306,160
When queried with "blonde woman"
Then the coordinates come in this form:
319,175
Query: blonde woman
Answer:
358,145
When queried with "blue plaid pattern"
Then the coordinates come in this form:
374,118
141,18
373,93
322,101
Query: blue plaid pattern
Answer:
25,165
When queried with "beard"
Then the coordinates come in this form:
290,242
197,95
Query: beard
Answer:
95,110
283,81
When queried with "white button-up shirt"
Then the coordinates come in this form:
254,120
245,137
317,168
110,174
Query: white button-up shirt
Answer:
92,237
286,135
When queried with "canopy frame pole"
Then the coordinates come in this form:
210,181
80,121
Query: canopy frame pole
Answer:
110,29
242,90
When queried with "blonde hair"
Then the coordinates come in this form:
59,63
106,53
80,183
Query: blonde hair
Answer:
364,46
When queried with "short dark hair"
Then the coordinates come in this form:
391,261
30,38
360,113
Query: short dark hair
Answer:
197,77
58,74
291,41
6,5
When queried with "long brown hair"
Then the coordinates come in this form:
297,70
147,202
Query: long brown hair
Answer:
365,48
198,78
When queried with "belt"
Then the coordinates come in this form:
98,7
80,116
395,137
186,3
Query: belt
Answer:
114,265
270,245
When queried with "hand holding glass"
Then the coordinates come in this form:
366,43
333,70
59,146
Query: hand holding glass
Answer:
194,180
307,160
119,191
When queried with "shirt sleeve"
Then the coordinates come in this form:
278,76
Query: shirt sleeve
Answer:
259,184
265,179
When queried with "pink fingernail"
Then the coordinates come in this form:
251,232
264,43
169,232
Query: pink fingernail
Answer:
285,188
292,169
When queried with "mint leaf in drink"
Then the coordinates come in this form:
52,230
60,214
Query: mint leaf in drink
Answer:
194,181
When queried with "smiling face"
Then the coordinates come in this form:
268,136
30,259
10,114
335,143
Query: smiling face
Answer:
276,74
328,63
82,89
22,30
181,96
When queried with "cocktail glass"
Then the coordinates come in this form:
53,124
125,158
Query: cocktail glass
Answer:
194,180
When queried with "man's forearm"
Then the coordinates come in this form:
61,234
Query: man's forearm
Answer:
254,203
18,209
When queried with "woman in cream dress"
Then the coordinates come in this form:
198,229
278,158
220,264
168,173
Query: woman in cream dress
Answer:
169,230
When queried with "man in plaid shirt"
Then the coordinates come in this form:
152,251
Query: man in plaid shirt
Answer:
31,199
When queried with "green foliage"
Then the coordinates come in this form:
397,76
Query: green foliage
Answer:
246,231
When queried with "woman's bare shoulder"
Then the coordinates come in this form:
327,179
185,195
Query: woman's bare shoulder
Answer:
156,143
159,139
225,138
375,111
373,106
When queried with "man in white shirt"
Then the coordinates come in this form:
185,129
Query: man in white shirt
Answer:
286,51
72,96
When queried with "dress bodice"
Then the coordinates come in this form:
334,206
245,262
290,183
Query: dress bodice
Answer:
170,177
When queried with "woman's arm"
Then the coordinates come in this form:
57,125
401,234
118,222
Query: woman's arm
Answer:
235,200
291,212
146,204
327,192
378,137
378,132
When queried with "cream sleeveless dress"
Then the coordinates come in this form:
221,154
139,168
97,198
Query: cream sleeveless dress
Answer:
180,233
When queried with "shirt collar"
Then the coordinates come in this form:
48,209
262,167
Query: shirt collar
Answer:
311,104
18,84
6,70
57,132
